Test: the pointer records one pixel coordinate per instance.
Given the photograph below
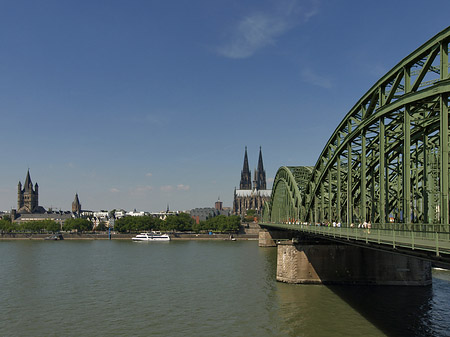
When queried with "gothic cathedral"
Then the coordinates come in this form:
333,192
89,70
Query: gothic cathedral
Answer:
248,196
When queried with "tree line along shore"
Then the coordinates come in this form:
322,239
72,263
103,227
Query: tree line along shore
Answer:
174,236
179,223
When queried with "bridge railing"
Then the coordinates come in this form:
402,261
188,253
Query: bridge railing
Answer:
431,238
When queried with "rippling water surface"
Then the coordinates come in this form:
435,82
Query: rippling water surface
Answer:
195,288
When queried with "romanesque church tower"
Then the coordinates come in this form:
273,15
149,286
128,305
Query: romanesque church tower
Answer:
28,197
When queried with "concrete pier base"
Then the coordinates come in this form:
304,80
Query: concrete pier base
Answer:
343,264
265,239
272,238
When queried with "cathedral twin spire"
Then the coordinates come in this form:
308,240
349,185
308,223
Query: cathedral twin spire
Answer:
246,179
259,182
261,173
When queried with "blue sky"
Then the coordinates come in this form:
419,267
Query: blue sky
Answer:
140,104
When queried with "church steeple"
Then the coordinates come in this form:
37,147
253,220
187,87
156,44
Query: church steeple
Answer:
76,205
28,185
28,198
246,179
261,178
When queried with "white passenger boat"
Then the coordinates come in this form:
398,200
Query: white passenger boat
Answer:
153,236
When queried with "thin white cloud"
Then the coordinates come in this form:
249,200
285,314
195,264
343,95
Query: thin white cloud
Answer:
114,190
182,187
252,33
149,174
311,77
260,29
179,187
167,188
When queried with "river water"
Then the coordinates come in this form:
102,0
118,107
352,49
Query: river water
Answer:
195,288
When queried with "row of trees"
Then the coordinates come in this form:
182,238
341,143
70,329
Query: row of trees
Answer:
180,223
221,224
81,225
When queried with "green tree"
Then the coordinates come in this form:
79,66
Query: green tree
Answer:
52,226
32,226
101,226
80,225
220,224
6,226
178,222
251,215
133,224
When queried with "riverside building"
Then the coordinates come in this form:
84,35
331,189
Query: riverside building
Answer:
28,208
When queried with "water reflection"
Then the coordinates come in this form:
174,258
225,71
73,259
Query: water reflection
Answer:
196,288
317,310
397,311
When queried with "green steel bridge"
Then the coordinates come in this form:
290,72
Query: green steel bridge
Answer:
386,165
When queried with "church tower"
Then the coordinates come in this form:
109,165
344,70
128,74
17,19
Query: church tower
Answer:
76,206
261,173
251,194
28,197
246,179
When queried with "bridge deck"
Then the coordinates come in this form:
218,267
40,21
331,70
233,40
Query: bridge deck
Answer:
432,245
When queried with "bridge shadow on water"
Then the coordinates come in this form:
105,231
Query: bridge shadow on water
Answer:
395,310
338,310
362,310
367,310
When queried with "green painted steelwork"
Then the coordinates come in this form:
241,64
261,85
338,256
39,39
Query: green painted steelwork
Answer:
387,161
289,186
423,241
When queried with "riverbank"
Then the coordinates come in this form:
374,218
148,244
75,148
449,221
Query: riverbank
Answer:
104,236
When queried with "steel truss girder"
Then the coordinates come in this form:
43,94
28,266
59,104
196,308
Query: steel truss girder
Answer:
379,160
289,186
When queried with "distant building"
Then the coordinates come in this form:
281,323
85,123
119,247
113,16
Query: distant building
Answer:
76,206
28,208
205,213
202,214
248,196
218,205
136,213
59,217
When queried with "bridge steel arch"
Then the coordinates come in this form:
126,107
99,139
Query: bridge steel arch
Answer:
288,188
388,160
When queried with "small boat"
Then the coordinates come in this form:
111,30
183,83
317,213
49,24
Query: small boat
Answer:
55,237
153,236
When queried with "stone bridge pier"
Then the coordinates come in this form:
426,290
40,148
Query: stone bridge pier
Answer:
314,261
